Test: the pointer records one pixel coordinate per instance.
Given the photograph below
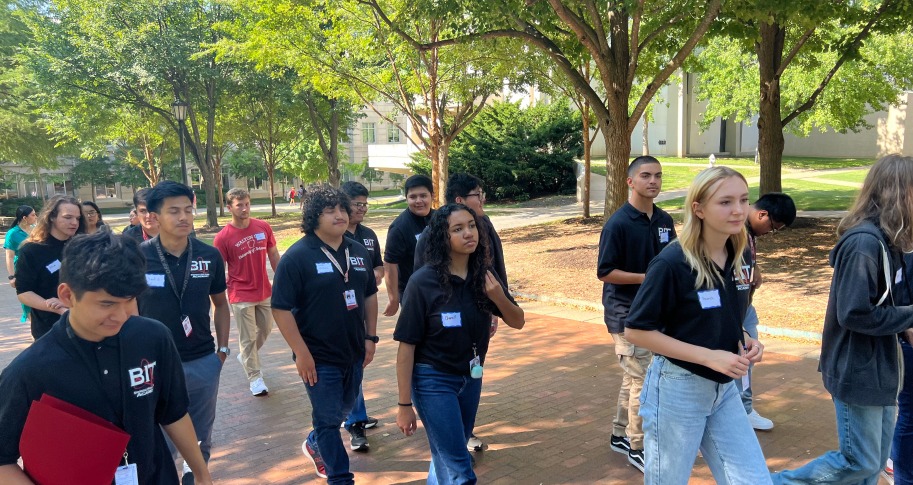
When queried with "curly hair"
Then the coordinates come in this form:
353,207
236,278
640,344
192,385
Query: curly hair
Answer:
437,253
316,200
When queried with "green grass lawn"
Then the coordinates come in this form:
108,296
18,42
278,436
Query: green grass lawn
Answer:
854,176
803,163
809,196
384,193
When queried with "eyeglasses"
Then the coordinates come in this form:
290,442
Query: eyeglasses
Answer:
773,228
480,195
360,205
91,213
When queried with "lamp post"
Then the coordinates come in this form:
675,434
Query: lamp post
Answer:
179,109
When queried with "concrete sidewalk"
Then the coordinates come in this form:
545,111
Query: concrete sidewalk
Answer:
546,411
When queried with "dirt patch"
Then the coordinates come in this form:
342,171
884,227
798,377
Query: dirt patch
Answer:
559,260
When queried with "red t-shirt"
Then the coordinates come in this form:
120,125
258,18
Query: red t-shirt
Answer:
245,255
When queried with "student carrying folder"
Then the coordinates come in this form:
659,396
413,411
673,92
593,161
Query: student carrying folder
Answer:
101,360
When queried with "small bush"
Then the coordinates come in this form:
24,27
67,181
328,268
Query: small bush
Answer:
8,206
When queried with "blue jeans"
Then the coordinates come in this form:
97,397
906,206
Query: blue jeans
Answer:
331,399
202,378
447,405
684,412
864,434
359,413
751,326
902,448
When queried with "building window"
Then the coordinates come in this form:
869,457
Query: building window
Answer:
196,178
367,133
31,188
63,188
392,133
105,191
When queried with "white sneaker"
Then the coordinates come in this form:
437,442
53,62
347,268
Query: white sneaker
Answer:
759,422
474,444
258,387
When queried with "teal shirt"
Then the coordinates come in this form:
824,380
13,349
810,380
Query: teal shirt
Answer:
14,238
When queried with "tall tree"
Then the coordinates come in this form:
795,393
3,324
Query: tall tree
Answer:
819,65
629,42
140,54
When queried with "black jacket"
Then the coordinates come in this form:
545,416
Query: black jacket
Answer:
860,354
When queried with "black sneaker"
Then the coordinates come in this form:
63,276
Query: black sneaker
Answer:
370,422
620,444
359,440
636,458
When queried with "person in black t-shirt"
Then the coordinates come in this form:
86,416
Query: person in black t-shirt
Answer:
358,420
689,312
325,305
40,257
404,232
184,276
630,239
92,352
443,333
466,189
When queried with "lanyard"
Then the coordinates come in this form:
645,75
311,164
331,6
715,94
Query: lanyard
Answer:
174,287
345,276
93,369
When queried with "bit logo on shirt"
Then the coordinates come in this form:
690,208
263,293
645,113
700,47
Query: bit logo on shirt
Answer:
142,378
199,268
743,278
358,262
369,244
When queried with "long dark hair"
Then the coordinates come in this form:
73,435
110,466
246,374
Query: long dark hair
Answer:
22,212
437,253
48,213
97,212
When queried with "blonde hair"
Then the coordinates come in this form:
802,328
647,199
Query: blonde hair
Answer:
886,198
697,255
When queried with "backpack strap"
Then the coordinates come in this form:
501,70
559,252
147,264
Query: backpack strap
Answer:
886,263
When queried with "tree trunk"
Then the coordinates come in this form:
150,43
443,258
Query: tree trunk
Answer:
217,168
618,150
586,159
272,187
770,125
645,144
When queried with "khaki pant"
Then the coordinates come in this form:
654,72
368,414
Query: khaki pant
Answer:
634,362
255,321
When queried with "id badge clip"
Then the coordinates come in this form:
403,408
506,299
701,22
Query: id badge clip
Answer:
349,296
475,365
188,328
126,475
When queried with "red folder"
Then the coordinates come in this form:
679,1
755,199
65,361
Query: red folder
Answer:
62,444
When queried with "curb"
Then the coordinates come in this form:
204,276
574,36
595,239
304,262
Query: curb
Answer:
773,331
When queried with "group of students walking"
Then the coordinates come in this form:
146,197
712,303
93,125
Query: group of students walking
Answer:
679,310
678,306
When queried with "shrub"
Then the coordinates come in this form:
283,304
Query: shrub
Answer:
8,206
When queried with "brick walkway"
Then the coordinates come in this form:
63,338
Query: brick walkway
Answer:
546,411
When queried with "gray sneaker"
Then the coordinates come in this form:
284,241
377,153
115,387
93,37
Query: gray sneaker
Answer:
359,441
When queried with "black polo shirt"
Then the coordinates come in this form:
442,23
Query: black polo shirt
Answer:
368,238
709,317
402,236
309,285
134,380
494,247
38,271
207,277
444,329
628,242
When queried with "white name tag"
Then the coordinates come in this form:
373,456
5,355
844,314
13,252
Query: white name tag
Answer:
451,319
746,382
155,280
899,276
709,299
259,236
663,235
53,267
324,268
126,475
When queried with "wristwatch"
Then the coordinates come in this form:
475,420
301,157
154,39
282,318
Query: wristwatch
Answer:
373,338
225,350
11,277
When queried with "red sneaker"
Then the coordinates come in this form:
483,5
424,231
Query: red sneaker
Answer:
316,459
